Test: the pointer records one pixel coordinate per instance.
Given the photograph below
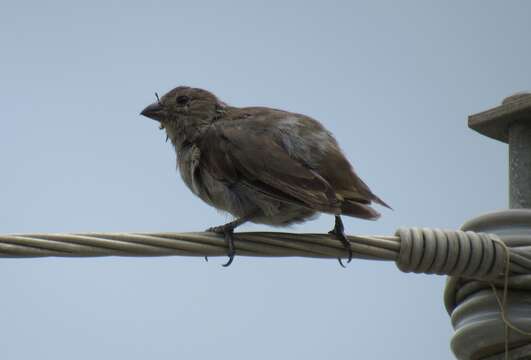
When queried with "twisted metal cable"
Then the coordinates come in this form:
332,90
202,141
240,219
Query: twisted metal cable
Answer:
194,244
468,255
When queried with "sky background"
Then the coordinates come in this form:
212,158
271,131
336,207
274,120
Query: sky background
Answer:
394,81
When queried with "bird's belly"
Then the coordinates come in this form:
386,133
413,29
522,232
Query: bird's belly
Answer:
240,200
286,215
236,198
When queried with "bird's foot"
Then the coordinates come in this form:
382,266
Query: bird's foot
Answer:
339,232
228,231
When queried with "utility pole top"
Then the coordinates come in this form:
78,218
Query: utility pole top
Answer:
495,123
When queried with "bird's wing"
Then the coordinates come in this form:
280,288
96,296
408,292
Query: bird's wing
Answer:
253,158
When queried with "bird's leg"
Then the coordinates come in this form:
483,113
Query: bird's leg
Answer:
228,231
339,232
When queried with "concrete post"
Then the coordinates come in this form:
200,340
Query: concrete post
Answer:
479,329
520,165
511,123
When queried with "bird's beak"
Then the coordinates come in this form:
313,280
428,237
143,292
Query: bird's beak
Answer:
154,111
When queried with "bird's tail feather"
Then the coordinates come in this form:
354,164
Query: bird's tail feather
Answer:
377,200
356,209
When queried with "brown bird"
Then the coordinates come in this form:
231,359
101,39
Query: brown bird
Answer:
262,165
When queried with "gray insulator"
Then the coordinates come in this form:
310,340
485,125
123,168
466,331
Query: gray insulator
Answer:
475,312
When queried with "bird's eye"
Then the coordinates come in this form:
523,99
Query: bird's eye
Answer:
182,100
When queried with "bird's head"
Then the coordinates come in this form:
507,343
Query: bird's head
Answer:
184,111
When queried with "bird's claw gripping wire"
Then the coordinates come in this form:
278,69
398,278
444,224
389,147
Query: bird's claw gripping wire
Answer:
339,232
228,231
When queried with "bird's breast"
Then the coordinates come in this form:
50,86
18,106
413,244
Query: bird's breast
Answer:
188,160
199,181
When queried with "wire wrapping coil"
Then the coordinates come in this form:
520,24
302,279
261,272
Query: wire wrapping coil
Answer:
449,252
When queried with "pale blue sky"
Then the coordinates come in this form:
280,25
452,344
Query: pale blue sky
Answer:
395,81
